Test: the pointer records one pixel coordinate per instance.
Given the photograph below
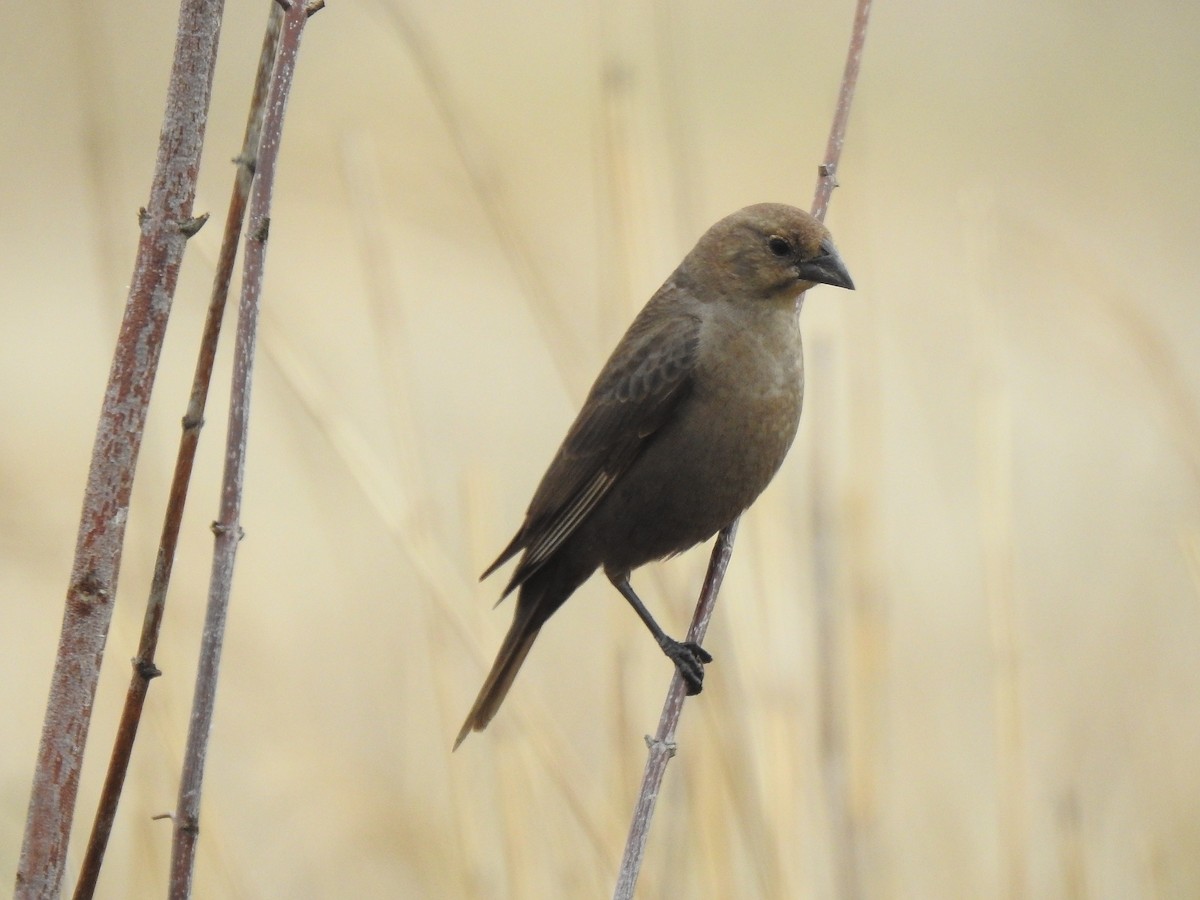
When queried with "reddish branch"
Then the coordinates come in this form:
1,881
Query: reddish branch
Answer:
166,224
144,669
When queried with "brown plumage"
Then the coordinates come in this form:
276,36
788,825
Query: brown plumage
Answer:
688,421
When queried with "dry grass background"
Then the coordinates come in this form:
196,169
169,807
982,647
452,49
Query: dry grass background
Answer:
957,654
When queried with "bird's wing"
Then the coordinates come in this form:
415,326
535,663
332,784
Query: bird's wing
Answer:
643,382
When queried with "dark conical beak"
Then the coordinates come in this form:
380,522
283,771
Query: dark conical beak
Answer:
827,268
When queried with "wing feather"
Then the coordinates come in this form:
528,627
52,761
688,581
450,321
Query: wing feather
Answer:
639,388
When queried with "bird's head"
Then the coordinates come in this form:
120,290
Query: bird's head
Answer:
767,251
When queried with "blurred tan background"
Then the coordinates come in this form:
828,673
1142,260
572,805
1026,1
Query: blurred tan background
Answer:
957,653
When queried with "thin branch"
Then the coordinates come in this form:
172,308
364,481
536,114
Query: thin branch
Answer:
144,669
662,745
227,528
166,223
827,171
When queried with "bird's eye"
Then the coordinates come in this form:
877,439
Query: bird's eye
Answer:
779,246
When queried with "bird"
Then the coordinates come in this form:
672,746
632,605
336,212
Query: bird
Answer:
686,424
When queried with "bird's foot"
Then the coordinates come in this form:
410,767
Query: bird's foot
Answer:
689,658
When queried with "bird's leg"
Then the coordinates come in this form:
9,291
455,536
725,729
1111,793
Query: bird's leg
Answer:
688,656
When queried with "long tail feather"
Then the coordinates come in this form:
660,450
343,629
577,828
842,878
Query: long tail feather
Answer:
512,653
542,592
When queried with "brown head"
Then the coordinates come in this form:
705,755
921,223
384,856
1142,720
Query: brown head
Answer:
769,251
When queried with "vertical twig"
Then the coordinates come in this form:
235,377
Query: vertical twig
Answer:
227,528
144,669
166,225
662,746
827,171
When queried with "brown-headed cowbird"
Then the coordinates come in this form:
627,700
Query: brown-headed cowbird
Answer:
688,421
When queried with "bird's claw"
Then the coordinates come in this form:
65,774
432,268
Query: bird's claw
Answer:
689,658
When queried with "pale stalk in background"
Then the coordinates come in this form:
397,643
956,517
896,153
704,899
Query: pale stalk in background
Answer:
166,225
1072,848
471,150
831,656
994,458
662,745
227,528
144,669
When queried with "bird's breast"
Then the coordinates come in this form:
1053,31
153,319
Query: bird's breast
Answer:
715,455
748,389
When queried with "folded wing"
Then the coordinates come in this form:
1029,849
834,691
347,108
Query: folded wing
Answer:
638,390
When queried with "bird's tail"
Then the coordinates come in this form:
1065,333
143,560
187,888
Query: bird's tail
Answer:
541,594
520,637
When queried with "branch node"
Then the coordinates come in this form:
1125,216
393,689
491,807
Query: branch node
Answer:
90,587
145,669
192,422
189,227
658,746
219,528
191,826
247,161
314,6
260,233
